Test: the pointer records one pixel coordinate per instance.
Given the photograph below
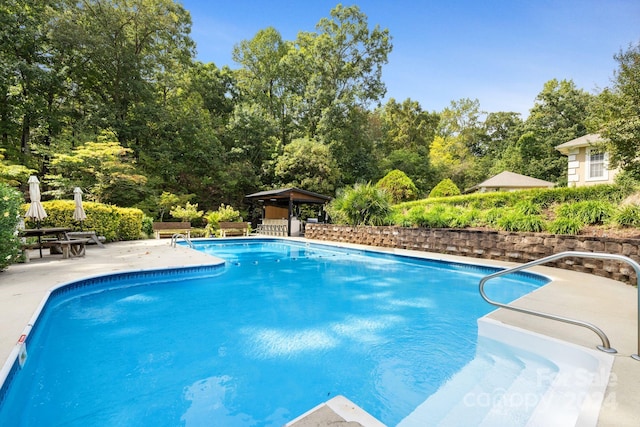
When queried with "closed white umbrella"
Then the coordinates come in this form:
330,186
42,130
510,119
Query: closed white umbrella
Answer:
36,210
78,212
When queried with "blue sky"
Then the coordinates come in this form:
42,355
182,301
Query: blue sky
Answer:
499,52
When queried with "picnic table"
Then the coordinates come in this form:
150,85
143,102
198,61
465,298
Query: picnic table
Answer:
55,238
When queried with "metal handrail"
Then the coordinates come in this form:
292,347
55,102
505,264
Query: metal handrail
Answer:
174,240
606,347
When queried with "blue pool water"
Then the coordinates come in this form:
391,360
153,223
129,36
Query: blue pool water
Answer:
280,328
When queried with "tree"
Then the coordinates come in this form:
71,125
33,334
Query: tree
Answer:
343,64
399,186
456,147
309,165
408,134
30,84
623,127
560,114
103,169
116,51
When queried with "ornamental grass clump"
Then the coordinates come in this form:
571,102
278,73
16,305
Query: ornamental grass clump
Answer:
517,221
362,204
627,216
589,212
564,225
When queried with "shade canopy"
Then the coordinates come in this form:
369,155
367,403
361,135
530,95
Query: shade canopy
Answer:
78,212
36,210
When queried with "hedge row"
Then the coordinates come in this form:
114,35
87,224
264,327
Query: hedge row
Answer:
112,222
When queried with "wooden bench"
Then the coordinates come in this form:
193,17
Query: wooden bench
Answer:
168,229
68,248
90,235
234,229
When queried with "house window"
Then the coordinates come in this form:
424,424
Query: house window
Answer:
596,165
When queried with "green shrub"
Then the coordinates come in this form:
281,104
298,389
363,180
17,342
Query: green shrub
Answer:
587,211
225,213
445,188
399,186
147,225
10,202
517,221
492,216
528,207
110,221
628,216
362,204
130,224
564,225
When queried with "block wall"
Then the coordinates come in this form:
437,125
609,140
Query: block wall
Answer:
496,245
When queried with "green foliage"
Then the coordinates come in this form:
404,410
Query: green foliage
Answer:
166,202
10,201
517,221
622,116
399,186
565,225
528,207
587,212
628,216
110,221
443,216
445,188
104,169
13,174
224,213
187,213
362,204
307,164
147,226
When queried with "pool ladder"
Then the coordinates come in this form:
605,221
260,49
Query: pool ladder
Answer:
606,347
175,237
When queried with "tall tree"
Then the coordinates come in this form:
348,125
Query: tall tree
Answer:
456,147
29,83
408,133
117,50
308,164
344,61
560,114
623,127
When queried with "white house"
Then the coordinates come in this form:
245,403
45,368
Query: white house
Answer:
588,161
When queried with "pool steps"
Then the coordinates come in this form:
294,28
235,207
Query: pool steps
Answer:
557,384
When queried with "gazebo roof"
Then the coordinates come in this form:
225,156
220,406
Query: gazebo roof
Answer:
291,193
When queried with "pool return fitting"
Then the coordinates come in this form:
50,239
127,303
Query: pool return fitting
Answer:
606,347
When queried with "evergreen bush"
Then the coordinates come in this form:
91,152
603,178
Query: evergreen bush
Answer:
445,188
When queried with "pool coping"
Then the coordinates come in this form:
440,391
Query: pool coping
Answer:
609,304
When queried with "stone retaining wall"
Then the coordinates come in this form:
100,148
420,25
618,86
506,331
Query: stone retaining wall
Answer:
497,245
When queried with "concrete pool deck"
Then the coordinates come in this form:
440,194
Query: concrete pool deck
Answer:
610,305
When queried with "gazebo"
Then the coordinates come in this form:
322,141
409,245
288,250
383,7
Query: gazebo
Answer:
279,207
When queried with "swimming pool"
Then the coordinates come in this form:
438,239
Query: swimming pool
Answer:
281,328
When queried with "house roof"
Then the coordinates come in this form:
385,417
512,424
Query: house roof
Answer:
295,194
583,141
508,179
